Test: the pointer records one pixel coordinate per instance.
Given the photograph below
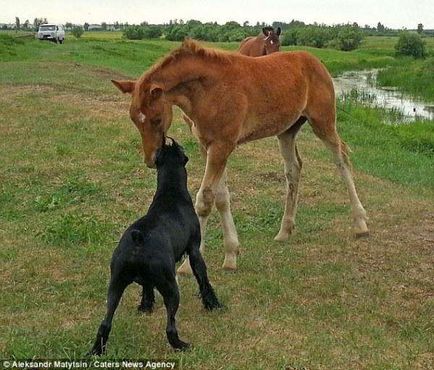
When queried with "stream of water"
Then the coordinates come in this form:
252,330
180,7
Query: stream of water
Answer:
362,84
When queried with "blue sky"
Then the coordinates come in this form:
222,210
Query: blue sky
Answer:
395,14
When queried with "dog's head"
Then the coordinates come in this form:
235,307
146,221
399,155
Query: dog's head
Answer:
170,153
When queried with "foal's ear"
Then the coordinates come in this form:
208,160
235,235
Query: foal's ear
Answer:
126,86
278,31
266,31
156,91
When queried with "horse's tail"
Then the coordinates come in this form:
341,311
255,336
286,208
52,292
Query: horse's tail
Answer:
188,121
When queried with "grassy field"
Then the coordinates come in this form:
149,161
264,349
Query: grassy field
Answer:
72,178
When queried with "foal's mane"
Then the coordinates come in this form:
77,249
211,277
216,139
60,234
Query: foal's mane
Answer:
190,47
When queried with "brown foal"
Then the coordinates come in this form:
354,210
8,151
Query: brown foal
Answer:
265,43
231,99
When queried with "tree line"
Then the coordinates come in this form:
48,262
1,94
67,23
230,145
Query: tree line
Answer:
342,36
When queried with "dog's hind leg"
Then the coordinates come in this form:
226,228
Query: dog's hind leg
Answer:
207,294
148,298
115,291
168,288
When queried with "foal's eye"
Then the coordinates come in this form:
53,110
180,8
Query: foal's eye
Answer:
155,121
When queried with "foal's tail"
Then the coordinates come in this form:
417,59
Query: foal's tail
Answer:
191,125
188,121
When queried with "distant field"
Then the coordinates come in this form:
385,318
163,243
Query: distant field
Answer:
72,178
110,50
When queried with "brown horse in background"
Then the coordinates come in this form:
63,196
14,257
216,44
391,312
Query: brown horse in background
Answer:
264,44
233,99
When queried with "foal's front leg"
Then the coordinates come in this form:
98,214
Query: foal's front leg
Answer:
230,236
217,156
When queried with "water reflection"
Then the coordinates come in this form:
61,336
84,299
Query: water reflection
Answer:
362,86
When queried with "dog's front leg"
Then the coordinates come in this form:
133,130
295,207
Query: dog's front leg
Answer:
207,294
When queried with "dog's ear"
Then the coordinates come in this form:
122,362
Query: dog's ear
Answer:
137,237
185,160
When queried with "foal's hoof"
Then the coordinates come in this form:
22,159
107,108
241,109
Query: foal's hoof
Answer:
185,268
230,263
360,228
363,234
281,237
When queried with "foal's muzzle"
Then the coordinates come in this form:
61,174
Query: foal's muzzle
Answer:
150,163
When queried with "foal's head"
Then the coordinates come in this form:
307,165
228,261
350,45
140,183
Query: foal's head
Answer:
272,42
150,112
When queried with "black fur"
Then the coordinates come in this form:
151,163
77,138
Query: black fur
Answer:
150,247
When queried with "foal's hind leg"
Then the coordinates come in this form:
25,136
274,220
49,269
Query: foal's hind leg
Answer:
327,133
292,165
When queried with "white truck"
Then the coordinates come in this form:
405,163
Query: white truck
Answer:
52,32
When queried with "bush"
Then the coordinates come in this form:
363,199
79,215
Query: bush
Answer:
290,37
176,33
410,43
134,33
341,37
314,36
77,31
152,32
348,38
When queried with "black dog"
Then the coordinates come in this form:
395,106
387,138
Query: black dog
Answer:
149,249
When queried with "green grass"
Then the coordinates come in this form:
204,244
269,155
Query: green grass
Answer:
72,178
415,77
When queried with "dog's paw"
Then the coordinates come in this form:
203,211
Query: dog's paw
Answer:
145,309
181,346
213,304
95,351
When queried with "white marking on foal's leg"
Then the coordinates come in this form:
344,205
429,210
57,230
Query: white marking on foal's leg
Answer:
292,166
359,214
230,236
142,117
